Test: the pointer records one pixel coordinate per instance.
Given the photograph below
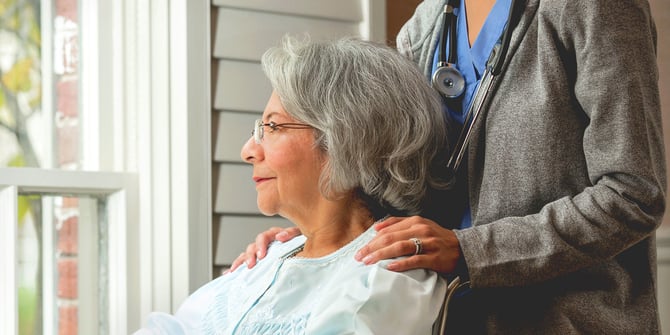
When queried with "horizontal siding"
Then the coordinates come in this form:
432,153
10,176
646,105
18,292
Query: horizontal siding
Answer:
345,10
244,34
234,131
236,191
238,231
241,86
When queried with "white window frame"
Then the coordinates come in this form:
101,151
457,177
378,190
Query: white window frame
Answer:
159,53
120,192
145,67
156,57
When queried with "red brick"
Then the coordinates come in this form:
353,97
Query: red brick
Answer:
68,144
67,94
67,236
67,320
70,202
67,278
67,9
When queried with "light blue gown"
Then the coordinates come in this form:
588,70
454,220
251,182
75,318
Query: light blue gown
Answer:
334,294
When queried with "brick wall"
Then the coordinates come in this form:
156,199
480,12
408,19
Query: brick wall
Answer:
67,153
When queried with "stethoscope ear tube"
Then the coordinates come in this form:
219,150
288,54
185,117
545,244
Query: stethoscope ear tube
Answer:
500,50
493,69
474,110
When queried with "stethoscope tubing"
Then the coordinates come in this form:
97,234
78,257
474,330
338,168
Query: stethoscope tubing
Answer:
483,90
493,69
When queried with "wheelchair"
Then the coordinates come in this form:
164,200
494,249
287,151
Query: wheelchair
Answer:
440,325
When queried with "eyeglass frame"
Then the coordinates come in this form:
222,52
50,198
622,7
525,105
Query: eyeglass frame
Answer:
258,132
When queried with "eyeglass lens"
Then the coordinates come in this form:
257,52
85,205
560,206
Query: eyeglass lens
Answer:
258,131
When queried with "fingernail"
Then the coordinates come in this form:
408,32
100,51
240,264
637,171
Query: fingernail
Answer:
258,254
367,259
281,234
358,256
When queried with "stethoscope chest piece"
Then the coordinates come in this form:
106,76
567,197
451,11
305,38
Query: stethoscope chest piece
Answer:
448,81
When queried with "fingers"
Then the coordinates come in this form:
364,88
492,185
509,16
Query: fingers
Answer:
441,260
388,222
390,231
263,240
414,262
436,254
390,245
439,249
248,257
258,249
237,262
287,234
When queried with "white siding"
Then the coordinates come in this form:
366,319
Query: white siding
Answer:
245,34
243,30
346,10
234,130
236,193
236,232
241,86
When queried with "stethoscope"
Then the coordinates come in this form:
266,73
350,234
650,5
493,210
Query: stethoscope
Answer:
447,79
450,82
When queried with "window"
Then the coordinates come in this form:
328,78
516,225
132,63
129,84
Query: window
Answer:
68,253
104,162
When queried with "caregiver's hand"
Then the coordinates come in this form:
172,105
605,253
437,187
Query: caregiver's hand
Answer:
439,246
258,249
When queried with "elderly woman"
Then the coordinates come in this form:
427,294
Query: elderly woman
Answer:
351,133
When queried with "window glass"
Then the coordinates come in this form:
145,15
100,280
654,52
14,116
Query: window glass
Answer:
62,265
39,97
39,127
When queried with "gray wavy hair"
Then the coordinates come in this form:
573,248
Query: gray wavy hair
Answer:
374,114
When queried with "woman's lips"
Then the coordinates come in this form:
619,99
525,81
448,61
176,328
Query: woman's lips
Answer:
260,180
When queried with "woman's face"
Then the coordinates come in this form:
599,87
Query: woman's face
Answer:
287,165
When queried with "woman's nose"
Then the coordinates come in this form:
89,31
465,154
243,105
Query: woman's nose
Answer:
251,151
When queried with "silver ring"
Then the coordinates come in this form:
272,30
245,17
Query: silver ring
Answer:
417,245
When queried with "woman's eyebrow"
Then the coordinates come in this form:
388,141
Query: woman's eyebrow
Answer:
271,115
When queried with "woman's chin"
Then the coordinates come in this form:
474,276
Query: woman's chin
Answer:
266,210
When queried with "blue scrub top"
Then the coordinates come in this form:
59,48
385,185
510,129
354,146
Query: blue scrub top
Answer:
471,61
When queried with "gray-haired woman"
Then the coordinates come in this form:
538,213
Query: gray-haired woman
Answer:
351,133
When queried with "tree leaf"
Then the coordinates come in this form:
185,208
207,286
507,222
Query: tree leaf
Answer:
17,79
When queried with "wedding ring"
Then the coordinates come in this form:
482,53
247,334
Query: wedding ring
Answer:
417,245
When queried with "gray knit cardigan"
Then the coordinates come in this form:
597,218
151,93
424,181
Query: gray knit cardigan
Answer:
566,171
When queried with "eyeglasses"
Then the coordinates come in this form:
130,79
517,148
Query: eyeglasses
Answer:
259,128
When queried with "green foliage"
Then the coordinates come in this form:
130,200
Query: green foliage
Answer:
27,310
24,202
17,79
17,161
20,78
35,34
20,26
